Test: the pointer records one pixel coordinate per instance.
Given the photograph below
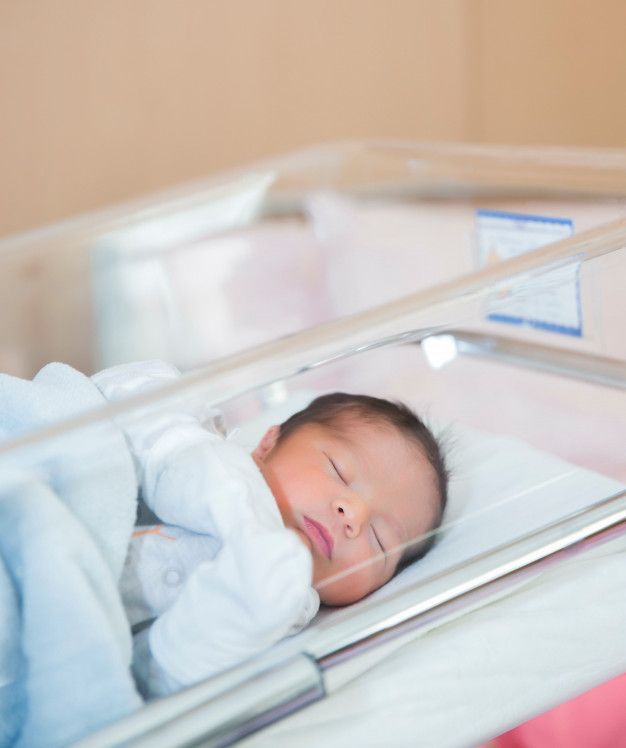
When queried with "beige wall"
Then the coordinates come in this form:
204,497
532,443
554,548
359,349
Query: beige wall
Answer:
551,71
103,100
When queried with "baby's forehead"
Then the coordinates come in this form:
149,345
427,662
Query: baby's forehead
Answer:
361,420
357,426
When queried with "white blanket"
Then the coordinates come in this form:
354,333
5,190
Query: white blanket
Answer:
65,645
67,511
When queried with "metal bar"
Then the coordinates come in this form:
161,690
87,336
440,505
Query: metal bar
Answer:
608,372
254,704
204,715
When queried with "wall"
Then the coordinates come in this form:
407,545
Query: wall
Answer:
103,101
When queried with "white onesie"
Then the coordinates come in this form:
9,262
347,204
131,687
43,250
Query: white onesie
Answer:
222,576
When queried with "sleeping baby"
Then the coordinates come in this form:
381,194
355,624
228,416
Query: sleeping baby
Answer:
245,546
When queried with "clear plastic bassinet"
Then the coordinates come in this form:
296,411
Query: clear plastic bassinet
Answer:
480,285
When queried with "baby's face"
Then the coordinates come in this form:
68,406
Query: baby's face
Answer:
351,495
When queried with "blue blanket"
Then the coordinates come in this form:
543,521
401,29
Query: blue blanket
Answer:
67,509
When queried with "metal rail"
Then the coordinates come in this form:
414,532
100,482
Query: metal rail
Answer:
608,372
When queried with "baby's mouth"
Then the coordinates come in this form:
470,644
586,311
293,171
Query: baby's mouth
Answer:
319,535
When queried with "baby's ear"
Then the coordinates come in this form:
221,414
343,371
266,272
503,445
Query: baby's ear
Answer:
265,446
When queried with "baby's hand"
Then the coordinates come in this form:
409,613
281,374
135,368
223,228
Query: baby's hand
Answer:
254,593
276,569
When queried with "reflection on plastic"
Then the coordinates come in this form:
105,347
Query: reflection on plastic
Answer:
439,350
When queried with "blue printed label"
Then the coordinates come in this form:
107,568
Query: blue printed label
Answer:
547,300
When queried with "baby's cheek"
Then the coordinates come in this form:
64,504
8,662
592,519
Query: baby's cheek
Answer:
346,583
343,591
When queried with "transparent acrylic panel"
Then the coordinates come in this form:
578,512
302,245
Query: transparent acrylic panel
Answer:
532,419
217,266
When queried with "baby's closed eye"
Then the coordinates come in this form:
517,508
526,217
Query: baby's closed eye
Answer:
336,469
378,540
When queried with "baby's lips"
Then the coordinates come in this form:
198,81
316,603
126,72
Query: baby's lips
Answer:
319,536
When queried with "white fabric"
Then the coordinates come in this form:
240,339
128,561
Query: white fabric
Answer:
223,576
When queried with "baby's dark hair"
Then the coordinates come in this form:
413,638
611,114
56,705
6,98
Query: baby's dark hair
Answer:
327,410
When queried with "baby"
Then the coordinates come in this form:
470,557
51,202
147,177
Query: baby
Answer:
358,478
325,509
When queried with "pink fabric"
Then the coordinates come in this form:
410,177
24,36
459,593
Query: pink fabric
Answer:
596,719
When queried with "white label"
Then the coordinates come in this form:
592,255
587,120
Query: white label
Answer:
548,299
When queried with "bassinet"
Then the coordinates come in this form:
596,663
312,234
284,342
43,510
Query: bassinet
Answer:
369,255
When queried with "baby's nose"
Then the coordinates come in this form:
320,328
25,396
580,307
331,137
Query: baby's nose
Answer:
354,513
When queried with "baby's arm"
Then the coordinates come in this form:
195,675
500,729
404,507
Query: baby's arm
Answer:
203,483
255,592
258,587
179,463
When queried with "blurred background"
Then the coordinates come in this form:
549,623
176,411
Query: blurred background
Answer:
103,101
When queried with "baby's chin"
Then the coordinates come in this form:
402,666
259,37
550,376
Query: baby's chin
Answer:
337,594
334,593
346,590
